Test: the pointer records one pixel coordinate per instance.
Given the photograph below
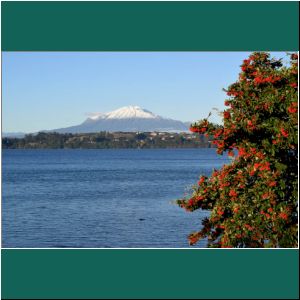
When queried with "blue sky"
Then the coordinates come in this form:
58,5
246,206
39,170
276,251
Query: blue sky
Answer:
48,90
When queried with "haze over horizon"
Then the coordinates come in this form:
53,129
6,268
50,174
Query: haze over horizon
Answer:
47,90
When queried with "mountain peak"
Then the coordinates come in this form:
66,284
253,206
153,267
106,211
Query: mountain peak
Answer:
126,119
127,112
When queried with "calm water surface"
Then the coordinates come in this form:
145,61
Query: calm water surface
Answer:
101,198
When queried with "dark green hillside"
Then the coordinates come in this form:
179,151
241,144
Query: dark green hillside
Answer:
107,140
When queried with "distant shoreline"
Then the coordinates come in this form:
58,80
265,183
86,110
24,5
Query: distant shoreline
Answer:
108,140
144,148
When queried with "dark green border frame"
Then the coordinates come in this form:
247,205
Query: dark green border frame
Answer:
150,26
150,274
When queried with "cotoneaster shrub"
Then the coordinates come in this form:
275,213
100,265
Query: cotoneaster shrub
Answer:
253,201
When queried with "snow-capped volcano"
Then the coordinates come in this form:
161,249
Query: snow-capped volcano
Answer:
126,112
126,119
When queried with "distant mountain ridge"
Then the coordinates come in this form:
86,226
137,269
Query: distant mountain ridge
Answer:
126,119
13,134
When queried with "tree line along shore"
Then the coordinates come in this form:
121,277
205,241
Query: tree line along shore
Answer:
107,140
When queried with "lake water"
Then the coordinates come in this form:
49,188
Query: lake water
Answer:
101,198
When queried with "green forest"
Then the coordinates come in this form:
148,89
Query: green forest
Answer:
107,140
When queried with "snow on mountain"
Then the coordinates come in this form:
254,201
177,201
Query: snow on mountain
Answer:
126,119
129,112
